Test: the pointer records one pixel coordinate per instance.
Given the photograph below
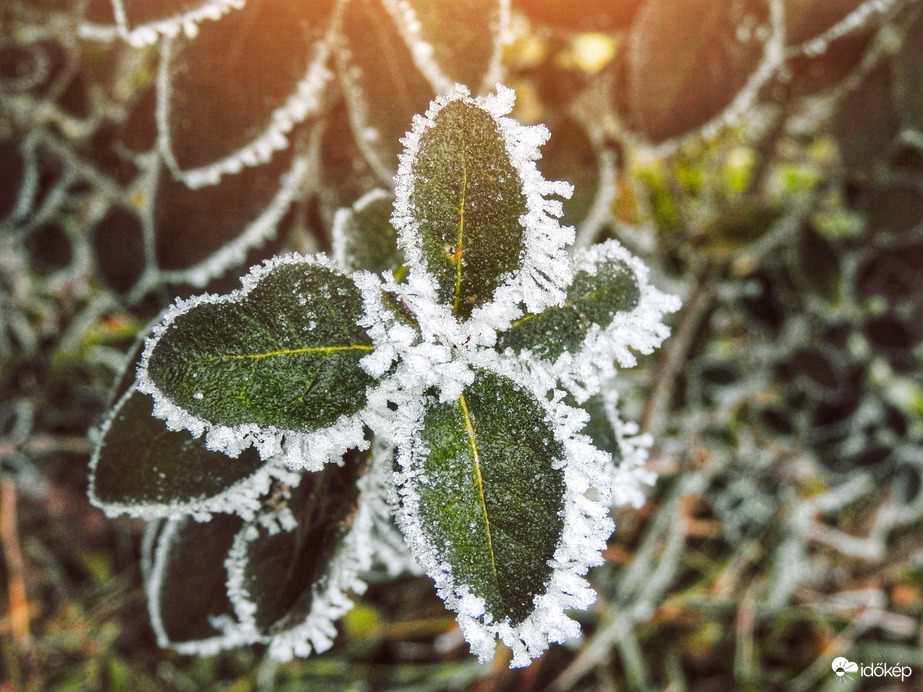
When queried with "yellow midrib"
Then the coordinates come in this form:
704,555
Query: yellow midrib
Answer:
479,480
459,245
289,352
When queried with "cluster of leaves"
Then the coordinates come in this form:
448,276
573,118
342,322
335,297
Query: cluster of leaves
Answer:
462,368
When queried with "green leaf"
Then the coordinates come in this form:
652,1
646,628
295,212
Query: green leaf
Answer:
143,469
737,227
867,122
598,293
572,155
819,267
599,427
491,493
186,586
278,575
363,237
908,75
282,352
466,199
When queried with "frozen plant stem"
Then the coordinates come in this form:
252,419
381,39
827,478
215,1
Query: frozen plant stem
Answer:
468,358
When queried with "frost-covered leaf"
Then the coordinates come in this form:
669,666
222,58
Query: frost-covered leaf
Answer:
141,22
363,237
600,428
383,86
493,508
241,211
806,19
491,494
470,210
866,121
739,225
685,64
467,199
289,573
145,470
610,311
908,72
819,267
229,97
281,354
812,26
572,155
119,247
808,73
598,293
187,596
454,41
345,172
393,56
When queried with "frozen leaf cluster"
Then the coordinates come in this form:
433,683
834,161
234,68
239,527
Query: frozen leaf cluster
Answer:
466,361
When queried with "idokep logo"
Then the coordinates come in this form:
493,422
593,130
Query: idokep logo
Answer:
842,667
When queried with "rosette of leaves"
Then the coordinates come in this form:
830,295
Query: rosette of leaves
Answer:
467,364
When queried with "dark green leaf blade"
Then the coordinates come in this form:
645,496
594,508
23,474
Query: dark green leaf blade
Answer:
186,588
599,292
289,585
145,470
363,237
491,504
282,354
466,198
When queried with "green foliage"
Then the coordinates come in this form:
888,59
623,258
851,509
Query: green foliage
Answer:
491,468
466,199
594,298
491,493
284,354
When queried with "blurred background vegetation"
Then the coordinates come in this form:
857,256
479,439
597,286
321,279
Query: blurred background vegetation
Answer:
764,157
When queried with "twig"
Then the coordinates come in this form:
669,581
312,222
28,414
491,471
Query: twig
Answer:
12,554
676,353
48,444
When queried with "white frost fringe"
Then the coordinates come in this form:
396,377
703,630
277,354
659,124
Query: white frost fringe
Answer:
329,602
545,270
309,451
587,527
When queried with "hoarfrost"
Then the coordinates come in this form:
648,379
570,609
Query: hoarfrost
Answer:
241,498
329,600
339,239
231,633
545,269
641,329
146,34
306,100
587,527
305,450
254,234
